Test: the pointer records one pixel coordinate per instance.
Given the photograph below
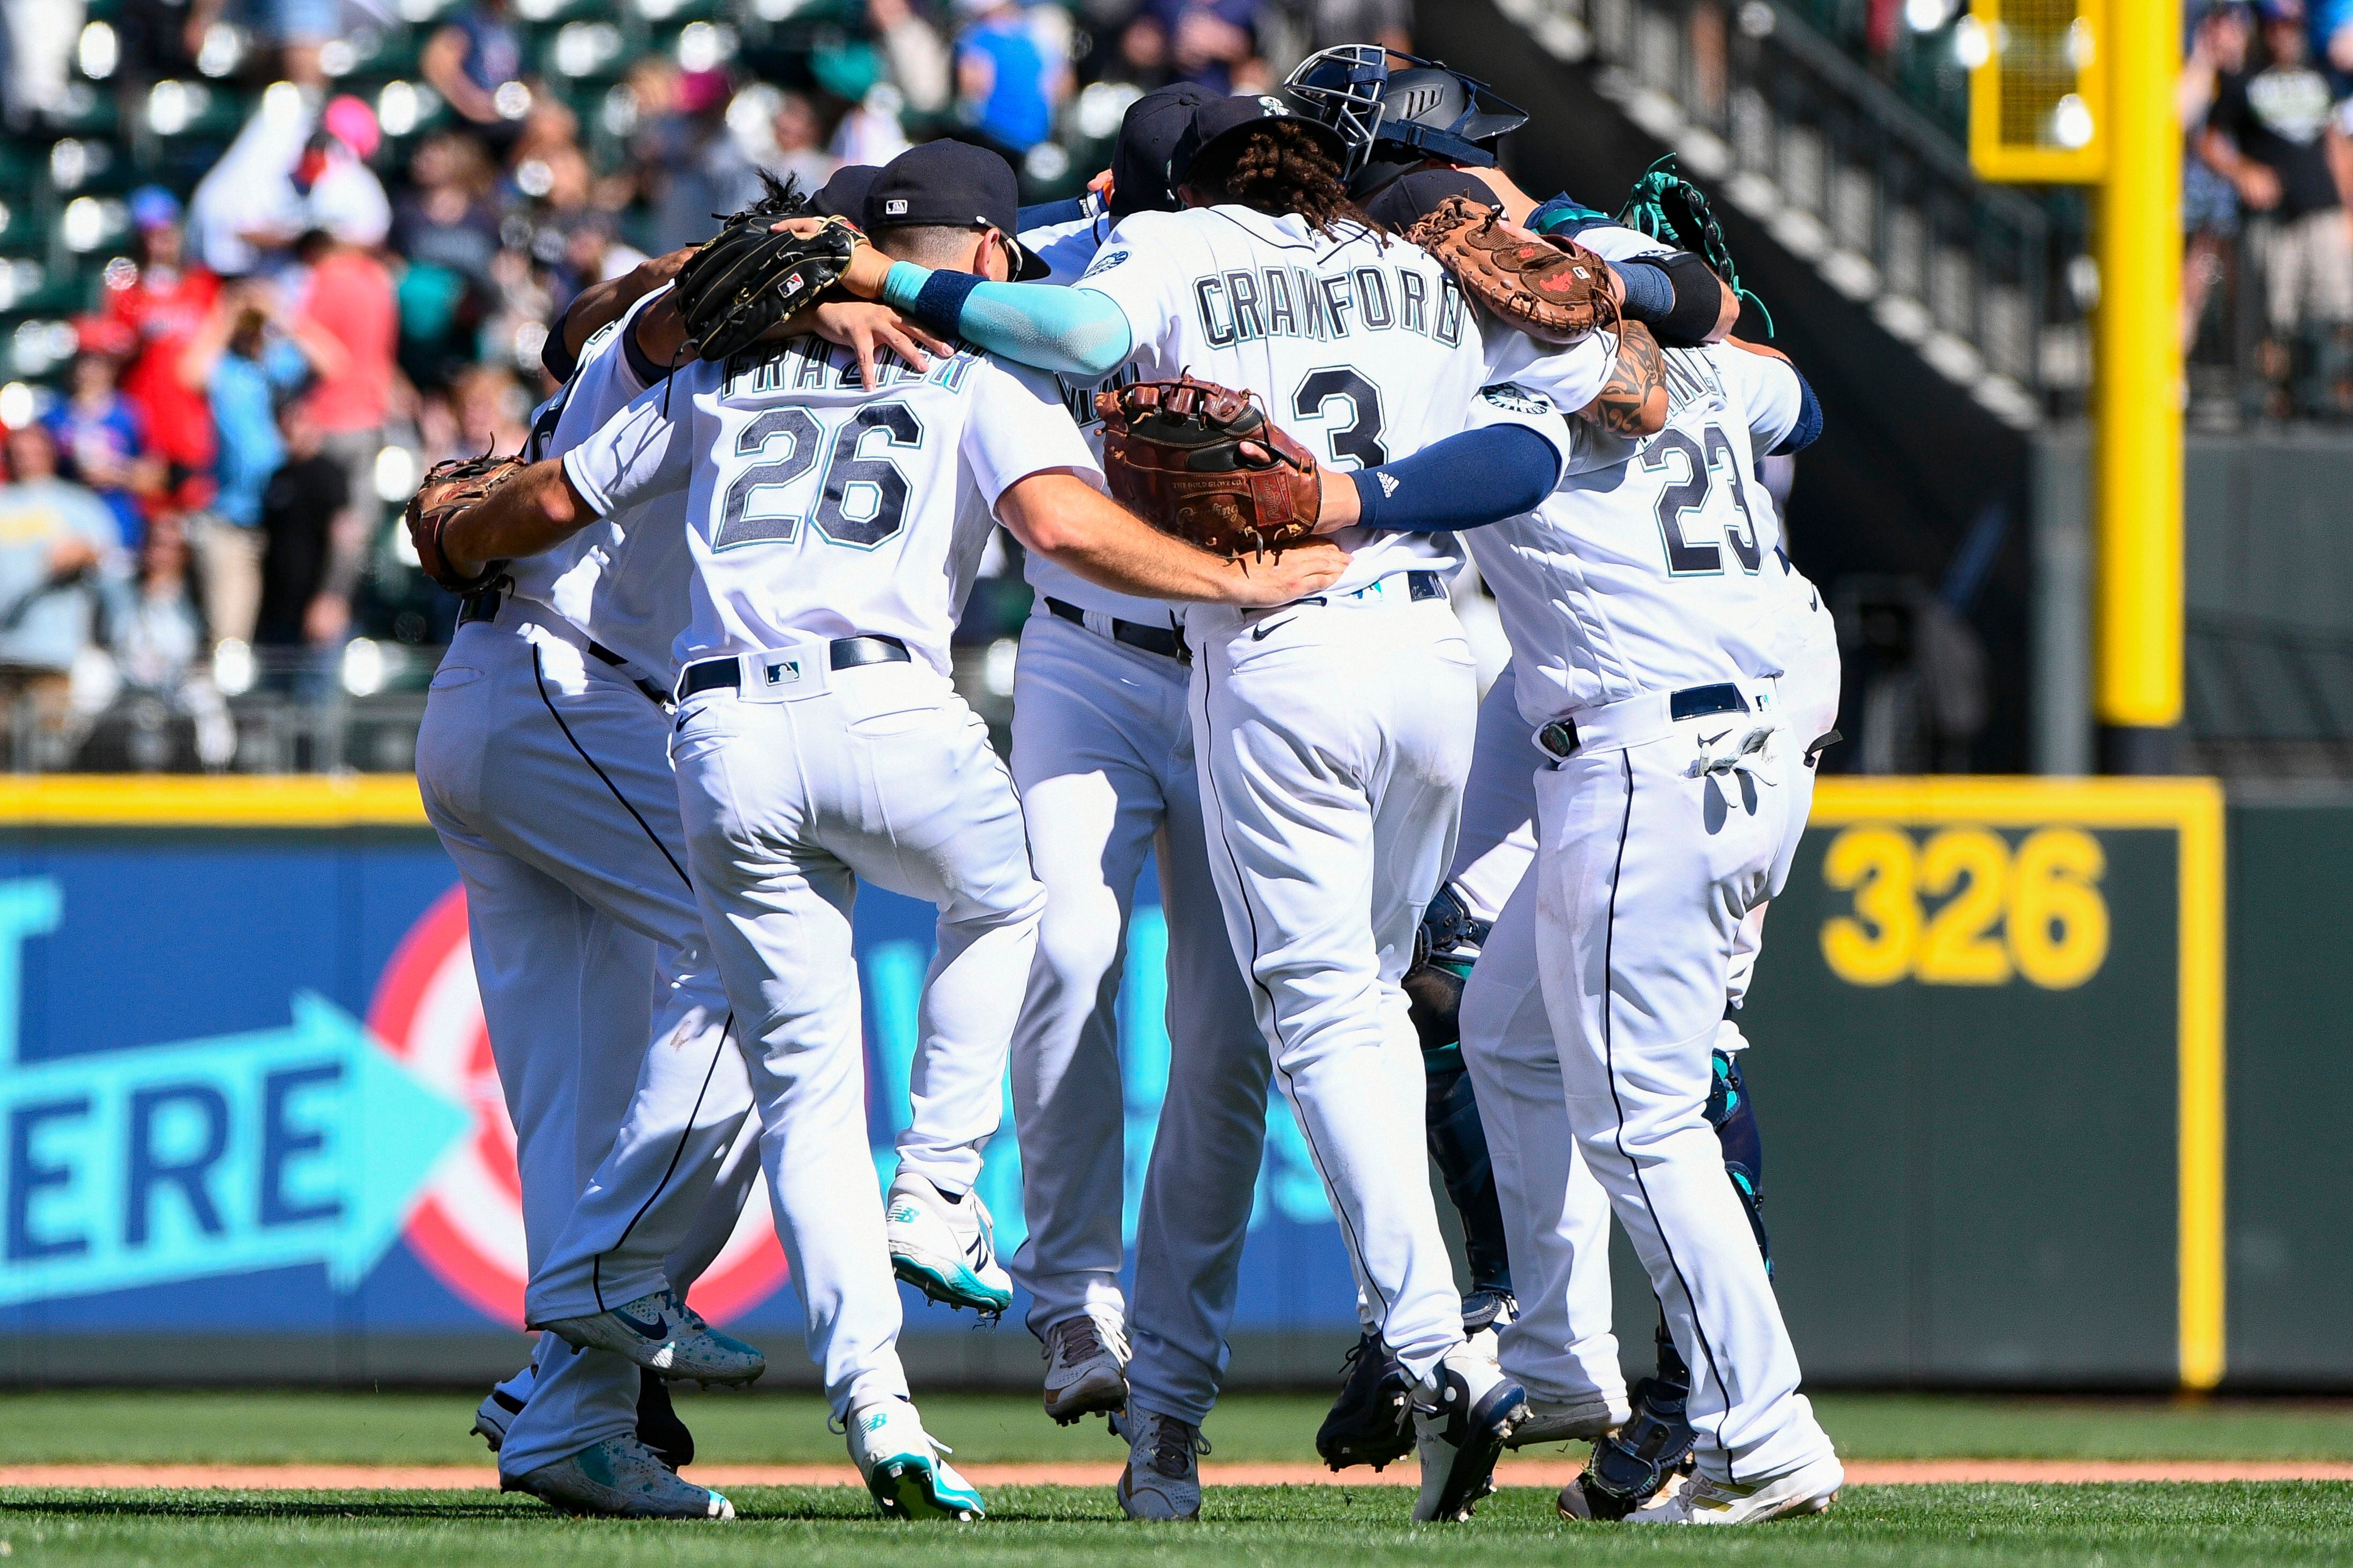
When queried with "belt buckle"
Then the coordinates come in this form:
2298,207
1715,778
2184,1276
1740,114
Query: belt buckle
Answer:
1558,739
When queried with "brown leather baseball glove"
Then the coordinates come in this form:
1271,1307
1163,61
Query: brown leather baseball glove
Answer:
450,488
1552,289
1204,463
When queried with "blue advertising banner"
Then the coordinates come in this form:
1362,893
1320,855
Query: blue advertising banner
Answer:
245,1086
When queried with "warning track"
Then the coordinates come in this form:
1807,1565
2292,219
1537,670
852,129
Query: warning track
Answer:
1510,1473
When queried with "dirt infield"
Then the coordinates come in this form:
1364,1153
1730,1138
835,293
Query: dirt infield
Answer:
1510,1473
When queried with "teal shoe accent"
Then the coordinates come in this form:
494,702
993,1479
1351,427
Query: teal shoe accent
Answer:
957,1288
910,1485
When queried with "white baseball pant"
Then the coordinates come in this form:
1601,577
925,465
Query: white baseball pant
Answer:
1103,754
543,770
1810,688
1334,735
1497,841
881,773
1643,874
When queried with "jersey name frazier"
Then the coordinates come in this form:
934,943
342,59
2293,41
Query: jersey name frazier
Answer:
811,365
1246,305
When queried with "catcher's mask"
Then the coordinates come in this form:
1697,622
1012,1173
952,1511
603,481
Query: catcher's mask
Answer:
1394,118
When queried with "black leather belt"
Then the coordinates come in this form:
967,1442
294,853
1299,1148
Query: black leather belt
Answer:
482,607
842,653
1165,641
1423,585
1559,737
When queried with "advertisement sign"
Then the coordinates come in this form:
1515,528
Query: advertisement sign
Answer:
244,1085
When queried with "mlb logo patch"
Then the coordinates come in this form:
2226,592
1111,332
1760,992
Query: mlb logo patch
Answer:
784,672
895,207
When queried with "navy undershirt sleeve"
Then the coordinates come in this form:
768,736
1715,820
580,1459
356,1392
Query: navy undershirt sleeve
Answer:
1468,480
1045,213
1809,427
1650,292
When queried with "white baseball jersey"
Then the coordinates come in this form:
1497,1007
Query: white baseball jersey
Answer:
1645,569
1365,348
624,579
1067,249
815,507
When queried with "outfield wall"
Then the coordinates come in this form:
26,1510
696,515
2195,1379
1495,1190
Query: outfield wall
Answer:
249,1130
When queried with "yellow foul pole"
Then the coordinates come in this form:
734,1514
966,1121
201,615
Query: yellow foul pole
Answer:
2139,386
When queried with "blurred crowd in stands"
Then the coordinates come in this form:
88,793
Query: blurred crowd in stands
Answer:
259,355
2266,107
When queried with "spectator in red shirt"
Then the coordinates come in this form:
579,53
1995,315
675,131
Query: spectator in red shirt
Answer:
352,300
164,299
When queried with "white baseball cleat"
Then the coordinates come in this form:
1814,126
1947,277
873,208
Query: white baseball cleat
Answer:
619,1477
1463,1416
1809,1488
905,1466
946,1248
661,1333
1576,1421
1162,1479
1086,1369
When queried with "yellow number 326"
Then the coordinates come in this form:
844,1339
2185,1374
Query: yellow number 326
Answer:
2045,899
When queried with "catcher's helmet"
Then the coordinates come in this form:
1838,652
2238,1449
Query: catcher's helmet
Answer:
1395,118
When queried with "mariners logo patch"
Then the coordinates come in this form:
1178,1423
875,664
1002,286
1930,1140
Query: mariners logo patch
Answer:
1104,263
1511,394
1273,105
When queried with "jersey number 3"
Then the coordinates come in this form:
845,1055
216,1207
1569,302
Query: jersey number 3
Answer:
862,498
1687,497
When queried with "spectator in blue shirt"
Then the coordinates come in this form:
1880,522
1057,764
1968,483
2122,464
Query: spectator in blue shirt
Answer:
59,551
249,358
1005,87
101,436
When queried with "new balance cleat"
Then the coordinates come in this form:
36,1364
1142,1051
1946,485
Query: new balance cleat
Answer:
1086,1369
661,1333
904,1469
1371,1422
1163,1478
1580,1420
1462,1418
1809,1489
946,1248
619,1478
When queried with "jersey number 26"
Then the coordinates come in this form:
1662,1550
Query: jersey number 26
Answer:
861,499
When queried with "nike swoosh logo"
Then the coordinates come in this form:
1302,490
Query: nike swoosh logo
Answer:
656,1329
1712,740
1257,633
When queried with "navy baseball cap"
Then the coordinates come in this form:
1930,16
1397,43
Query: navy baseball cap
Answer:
1220,118
1404,201
951,184
1148,134
844,196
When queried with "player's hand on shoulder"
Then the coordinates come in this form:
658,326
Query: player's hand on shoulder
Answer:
1301,570
864,326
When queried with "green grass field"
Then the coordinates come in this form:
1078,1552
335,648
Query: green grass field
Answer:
2215,1525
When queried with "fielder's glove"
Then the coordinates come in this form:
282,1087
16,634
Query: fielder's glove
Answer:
450,488
1553,290
1674,211
1204,463
746,279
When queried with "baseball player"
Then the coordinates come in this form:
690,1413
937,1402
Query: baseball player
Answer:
541,765
1394,122
1103,754
1647,673
833,528
1330,735
680,1158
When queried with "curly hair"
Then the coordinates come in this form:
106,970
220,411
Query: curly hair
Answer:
1277,167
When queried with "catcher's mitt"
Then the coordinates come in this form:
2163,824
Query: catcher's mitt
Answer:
450,488
745,279
1552,289
1674,211
1173,454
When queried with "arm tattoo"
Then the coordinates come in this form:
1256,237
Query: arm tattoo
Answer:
1638,374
